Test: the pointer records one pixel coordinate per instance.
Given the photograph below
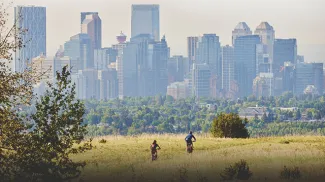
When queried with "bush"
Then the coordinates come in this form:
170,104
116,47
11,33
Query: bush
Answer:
290,173
229,126
102,141
239,171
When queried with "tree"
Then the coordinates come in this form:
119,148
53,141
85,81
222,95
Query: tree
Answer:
298,114
58,133
229,126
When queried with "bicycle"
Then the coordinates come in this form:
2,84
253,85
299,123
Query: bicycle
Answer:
189,147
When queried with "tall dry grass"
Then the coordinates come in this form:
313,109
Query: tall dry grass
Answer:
127,158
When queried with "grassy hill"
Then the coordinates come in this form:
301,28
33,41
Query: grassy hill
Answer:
129,159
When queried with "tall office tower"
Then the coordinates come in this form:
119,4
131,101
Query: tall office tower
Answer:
32,19
267,36
300,59
201,76
178,90
145,20
241,29
288,77
103,57
285,50
176,69
87,84
245,63
263,85
159,66
309,74
209,52
108,84
92,25
192,50
228,64
79,48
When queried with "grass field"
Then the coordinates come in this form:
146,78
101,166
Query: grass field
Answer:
129,158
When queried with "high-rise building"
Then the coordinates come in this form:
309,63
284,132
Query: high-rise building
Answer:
309,74
209,52
263,85
92,25
79,48
87,84
241,29
288,77
267,36
32,19
245,62
178,90
201,76
285,50
192,50
103,57
176,68
145,20
108,84
228,64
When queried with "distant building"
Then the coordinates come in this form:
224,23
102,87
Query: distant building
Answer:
309,74
192,50
267,35
103,57
32,19
241,29
252,112
92,25
285,50
201,76
176,68
209,52
145,20
288,77
245,63
79,48
43,66
263,85
87,84
228,64
178,90
108,84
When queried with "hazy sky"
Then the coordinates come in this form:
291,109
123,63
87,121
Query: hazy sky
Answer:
301,19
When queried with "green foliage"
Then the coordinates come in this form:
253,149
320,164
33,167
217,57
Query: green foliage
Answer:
238,171
290,173
229,126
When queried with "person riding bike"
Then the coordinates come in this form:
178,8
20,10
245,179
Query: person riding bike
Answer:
188,139
154,147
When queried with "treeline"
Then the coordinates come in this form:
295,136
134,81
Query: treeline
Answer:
162,114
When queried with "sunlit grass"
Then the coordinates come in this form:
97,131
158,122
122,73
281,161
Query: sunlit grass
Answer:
128,158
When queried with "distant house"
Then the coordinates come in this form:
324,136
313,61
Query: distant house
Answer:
251,112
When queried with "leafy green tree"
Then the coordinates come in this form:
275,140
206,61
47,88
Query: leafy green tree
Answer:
57,134
229,126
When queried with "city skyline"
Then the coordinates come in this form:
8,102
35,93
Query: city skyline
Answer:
178,28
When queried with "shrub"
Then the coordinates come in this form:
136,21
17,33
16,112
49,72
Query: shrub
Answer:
240,171
229,126
102,141
290,173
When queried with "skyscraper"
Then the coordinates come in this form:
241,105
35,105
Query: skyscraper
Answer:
245,63
79,48
309,74
209,52
91,24
201,76
192,50
32,19
285,50
145,20
241,29
267,36
227,67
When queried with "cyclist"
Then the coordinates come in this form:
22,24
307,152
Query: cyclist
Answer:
189,137
154,147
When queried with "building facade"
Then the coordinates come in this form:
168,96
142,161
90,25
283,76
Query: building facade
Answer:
32,19
91,24
228,66
178,90
201,76
241,29
145,20
285,50
192,50
267,36
309,74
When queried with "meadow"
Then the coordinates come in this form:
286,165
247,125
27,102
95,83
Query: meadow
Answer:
126,158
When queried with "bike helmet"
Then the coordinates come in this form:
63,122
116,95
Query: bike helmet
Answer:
190,132
154,141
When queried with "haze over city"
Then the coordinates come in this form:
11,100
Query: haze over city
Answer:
300,19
